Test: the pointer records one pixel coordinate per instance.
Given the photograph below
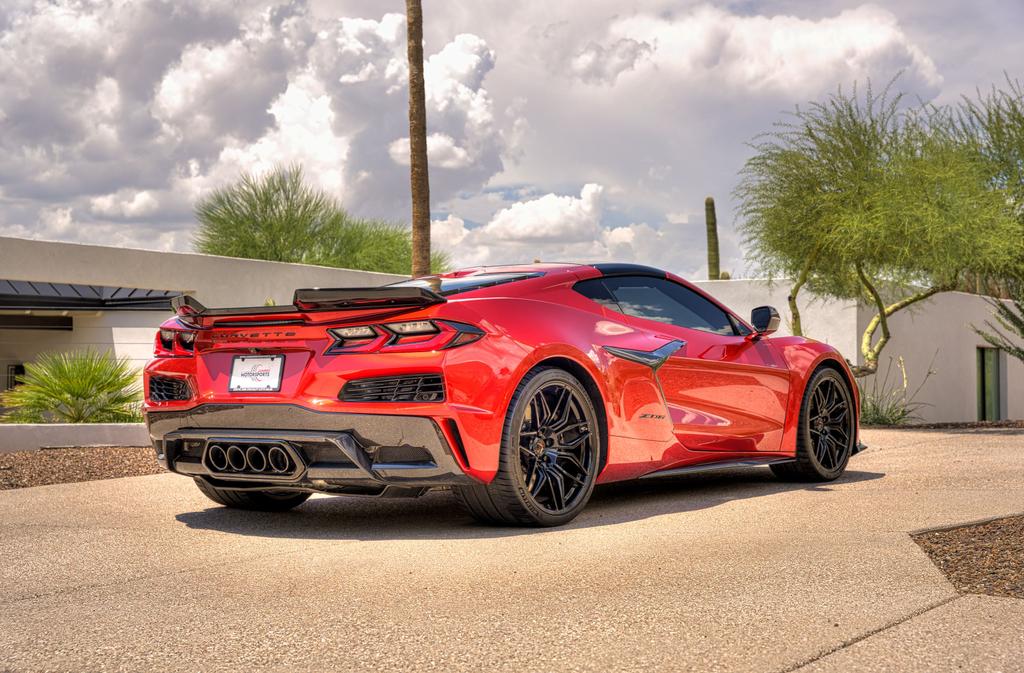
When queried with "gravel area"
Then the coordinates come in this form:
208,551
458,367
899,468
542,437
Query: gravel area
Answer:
60,466
967,425
986,558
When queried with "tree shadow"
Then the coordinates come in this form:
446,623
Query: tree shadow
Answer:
438,516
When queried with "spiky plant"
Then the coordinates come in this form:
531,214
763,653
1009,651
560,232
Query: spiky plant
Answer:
1009,318
75,387
711,223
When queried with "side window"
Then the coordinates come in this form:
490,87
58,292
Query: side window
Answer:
596,291
664,301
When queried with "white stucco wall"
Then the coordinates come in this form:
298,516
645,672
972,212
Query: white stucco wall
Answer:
830,321
123,333
938,334
214,281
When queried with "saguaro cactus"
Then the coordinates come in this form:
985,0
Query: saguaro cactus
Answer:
711,221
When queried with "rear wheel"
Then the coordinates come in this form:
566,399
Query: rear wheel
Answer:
549,457
263,501
826,434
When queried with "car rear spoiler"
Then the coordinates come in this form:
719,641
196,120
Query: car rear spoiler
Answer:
317,299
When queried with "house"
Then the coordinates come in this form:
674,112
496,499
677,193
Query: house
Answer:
64,296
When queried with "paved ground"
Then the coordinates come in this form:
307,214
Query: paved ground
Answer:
733,571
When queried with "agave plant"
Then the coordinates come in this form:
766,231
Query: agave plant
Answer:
886,403
75,387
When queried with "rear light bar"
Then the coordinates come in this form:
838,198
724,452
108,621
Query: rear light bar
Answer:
401,337
174,343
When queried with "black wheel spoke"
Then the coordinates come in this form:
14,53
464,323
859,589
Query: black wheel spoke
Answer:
570,460
576,443
540,478
560,412
556,484
565,474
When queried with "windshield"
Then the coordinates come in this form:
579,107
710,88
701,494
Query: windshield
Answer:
449,286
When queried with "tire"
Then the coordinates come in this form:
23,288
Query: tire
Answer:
261,501
543,453
824,443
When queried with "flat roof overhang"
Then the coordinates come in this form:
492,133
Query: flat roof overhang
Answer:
22,295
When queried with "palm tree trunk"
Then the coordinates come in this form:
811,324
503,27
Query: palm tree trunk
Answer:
419,180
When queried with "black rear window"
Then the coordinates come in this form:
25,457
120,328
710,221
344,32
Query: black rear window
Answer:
448,286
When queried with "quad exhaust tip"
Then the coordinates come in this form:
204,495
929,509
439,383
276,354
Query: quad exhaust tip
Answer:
255,459
218,458
278,460
236,458
252,459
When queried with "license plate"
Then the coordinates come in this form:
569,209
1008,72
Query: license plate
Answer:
256,373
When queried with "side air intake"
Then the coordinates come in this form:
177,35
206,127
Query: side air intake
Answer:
407,388
168,389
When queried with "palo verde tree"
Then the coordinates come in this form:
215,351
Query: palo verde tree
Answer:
994,121
277,216
861,198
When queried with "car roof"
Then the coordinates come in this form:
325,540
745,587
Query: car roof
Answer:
603,268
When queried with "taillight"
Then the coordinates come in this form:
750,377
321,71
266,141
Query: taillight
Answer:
174,343
400,337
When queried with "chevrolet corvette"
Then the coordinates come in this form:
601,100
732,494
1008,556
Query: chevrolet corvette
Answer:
519,388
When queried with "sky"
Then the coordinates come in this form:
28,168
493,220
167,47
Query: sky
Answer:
576,130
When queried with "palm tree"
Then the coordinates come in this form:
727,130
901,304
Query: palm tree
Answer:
419,179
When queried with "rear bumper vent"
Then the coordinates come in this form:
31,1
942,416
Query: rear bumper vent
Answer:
408,388
168,389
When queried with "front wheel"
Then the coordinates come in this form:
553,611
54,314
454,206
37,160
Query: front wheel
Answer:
262,501
549,456
827,430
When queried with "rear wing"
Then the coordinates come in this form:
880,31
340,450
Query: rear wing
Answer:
316,299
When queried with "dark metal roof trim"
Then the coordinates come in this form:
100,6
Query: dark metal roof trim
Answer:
609,269
29,295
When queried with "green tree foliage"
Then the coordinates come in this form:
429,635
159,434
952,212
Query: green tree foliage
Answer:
1009,320
278,217
863,198
994,122
76,387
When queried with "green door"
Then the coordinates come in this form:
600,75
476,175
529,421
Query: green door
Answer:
989,402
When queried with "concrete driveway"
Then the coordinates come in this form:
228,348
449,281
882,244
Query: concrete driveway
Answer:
722,571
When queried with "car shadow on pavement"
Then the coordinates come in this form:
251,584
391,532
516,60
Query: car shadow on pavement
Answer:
438,516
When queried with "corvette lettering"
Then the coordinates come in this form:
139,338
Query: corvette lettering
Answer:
249,336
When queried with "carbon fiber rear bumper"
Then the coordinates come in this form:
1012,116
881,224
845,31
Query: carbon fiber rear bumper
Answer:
367,454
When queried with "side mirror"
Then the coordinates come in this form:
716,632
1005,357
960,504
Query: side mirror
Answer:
765,320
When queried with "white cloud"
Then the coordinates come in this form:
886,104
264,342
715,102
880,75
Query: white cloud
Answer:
552,227
115,114
442,152
550,218
303,133
125,204
602,64
757,51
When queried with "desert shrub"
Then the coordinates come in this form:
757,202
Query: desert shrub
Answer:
889,400
75,387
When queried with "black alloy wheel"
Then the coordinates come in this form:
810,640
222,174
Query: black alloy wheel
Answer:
556,447
550,455
829,423
827,432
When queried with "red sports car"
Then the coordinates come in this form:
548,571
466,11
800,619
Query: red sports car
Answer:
517,387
